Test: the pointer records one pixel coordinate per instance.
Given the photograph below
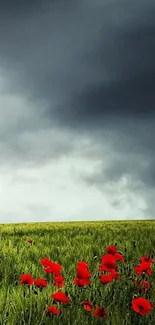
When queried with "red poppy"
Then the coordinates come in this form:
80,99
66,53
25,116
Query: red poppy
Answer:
40,283
82,264
59,281
87,305
115,275
30,241
143,267
60,297
81,282
46,262
47,269
106,278
119,257
102,267
141,306
111,250
109,262
53,268
53,310
26,279
83,273
100,312
146,258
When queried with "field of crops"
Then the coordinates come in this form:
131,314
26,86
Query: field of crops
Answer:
104,292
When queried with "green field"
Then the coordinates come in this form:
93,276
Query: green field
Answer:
66,244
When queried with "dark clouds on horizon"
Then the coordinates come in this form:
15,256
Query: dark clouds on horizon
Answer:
89,68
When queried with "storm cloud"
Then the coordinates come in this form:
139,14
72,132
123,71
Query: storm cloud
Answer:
77,93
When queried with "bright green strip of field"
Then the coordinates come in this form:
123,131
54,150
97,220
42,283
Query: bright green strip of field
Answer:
68,243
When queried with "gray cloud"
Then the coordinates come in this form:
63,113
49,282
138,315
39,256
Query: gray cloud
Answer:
130,94
81,70
100,60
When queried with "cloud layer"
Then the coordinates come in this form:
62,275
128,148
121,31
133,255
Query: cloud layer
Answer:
77,93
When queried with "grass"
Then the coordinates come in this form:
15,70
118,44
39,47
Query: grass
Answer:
68,243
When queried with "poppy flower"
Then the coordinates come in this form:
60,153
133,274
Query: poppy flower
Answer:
143,267
81,282
59,281
83,273
109,262
40,283
26,279
82,264
111,250
102,267
45,262
60,297
115,275
53,310
119,257
100,312
87,305
146,258
30,241
53,268
106,278
141,306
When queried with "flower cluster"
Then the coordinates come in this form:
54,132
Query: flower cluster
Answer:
82,274
141,305
108,270
109,265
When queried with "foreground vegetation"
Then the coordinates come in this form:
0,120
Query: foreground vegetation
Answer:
67,244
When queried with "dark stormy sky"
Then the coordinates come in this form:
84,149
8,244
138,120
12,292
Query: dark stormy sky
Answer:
77,110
